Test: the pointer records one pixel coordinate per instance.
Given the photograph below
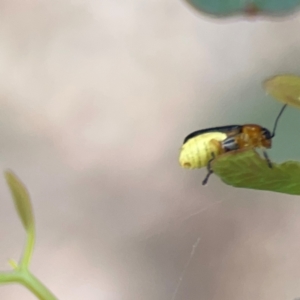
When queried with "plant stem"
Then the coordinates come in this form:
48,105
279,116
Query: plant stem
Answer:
30,240
9,277
27,279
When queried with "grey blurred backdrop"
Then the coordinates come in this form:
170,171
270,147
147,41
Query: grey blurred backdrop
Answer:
96,98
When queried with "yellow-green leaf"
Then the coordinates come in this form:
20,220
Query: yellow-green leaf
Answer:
247,169
284,88
21,200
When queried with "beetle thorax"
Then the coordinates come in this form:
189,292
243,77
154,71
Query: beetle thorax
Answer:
253,136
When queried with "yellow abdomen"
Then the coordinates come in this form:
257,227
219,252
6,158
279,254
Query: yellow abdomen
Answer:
197,151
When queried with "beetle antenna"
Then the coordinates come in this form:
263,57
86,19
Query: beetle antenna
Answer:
277,119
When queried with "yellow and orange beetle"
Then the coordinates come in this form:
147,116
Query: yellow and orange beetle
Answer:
202,146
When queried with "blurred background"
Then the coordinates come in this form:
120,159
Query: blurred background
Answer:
96,98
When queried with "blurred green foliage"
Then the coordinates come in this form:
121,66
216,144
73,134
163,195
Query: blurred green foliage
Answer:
229,7
284,88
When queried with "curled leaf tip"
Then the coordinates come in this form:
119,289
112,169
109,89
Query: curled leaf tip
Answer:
21,199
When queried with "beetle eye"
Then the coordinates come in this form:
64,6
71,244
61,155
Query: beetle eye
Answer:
267,133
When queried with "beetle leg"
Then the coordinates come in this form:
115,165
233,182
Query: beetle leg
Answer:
204,182
268,159
209,169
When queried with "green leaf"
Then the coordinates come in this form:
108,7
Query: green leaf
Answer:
247,169
284,88
21,200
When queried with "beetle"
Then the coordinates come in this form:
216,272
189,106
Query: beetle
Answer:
201,147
